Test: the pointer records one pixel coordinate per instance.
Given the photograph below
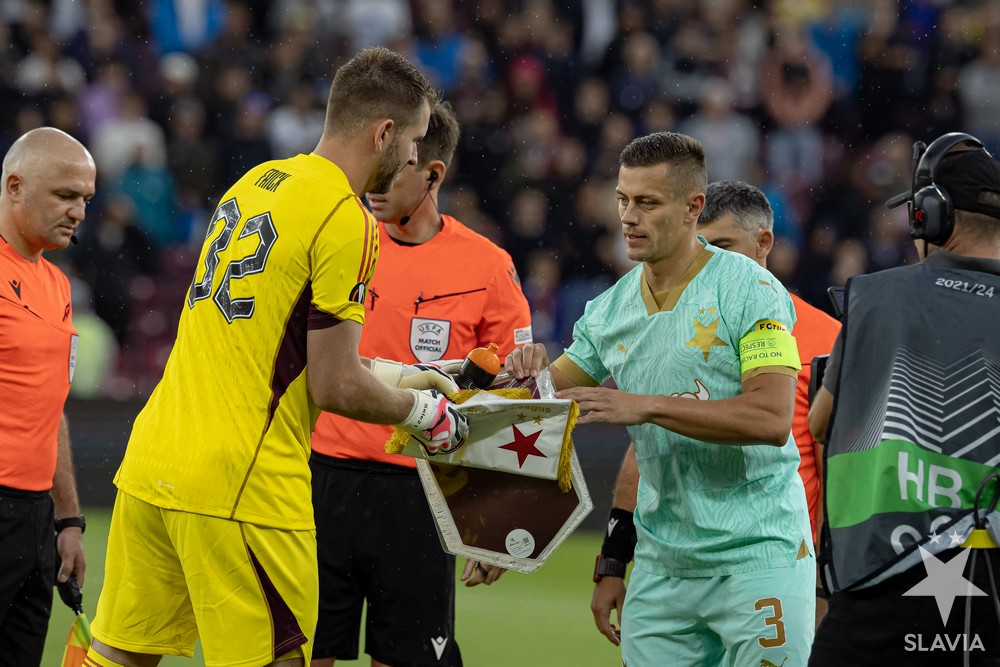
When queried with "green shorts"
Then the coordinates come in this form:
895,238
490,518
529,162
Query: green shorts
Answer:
757,618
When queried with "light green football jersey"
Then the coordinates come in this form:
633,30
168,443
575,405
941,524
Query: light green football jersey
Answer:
703,509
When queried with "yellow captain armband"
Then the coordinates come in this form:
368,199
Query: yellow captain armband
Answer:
768,344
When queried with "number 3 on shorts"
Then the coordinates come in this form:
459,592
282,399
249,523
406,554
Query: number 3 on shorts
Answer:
774,619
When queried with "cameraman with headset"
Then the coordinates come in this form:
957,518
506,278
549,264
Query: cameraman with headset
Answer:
911,395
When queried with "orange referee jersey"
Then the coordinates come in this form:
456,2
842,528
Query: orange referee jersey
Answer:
428,302
814,333
37,357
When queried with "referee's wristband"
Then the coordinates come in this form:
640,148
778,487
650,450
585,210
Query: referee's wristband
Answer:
620,538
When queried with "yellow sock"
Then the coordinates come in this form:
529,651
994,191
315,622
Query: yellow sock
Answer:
95,659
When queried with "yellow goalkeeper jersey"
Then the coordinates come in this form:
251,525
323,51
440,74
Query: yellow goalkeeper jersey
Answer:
226,431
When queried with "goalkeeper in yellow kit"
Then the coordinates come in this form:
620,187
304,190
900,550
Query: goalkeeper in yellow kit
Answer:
212,532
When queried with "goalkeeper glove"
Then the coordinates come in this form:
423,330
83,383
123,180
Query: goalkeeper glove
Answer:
435,422
419,376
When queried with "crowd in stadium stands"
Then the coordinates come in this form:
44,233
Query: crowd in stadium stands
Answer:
817,102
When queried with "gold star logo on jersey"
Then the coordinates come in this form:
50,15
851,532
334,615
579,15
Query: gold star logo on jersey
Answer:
705,338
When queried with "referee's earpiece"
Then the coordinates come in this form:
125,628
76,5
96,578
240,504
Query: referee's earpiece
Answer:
431,178
932,215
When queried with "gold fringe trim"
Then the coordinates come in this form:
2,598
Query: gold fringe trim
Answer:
564,472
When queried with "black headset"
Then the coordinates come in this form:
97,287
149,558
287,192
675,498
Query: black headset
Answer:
932,214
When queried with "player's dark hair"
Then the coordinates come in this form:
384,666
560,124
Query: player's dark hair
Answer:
684,154
376,83
442,136
750,208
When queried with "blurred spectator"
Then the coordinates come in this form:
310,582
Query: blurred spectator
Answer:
178,75
45,71
439,46
731,139
100,102
889,70
115,145
375,22
150,187
245,144
979,91
296,126
185,25
586,250
192,155
797,89
110,256
637,79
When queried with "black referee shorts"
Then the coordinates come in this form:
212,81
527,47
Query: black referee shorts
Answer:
377,543
879,626
27,574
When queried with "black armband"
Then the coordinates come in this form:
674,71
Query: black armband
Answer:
620,538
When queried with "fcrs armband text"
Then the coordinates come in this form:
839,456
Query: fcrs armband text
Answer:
768,343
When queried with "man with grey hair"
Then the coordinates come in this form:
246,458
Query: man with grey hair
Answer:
48,179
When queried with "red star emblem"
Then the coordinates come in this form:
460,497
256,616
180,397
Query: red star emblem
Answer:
523,446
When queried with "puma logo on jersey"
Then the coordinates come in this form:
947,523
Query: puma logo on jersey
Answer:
611,525
16,286
764,662
621,348
439,643
701,395
767,283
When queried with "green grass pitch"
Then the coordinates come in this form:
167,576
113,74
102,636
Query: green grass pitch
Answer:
541,619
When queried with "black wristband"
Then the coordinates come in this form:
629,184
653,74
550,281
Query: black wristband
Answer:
619,539
608,567
71,522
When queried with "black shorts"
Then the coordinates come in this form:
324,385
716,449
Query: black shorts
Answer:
880,626
27,574
377,542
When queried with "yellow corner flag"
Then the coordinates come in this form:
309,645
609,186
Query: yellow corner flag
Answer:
78,642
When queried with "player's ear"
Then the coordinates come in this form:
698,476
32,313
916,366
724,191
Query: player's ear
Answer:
695,204
765,241
383,130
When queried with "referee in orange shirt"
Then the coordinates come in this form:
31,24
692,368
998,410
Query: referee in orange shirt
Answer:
737,217
440,290
48,178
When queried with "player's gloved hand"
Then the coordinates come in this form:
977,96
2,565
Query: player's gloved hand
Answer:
450,366
436,422
418,376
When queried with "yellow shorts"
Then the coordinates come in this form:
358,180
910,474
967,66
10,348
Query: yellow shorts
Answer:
251,593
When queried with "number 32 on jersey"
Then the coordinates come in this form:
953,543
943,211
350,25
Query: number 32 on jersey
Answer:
260,225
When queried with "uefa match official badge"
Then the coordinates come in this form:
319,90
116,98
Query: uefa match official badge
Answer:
429,338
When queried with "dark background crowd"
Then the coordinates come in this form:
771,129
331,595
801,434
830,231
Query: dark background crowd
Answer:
817,102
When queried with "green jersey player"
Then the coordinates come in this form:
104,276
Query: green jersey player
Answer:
724,571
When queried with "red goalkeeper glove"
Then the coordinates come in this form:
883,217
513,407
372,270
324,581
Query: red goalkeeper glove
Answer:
435,422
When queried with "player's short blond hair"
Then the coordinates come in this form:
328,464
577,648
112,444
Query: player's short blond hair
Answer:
376,83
